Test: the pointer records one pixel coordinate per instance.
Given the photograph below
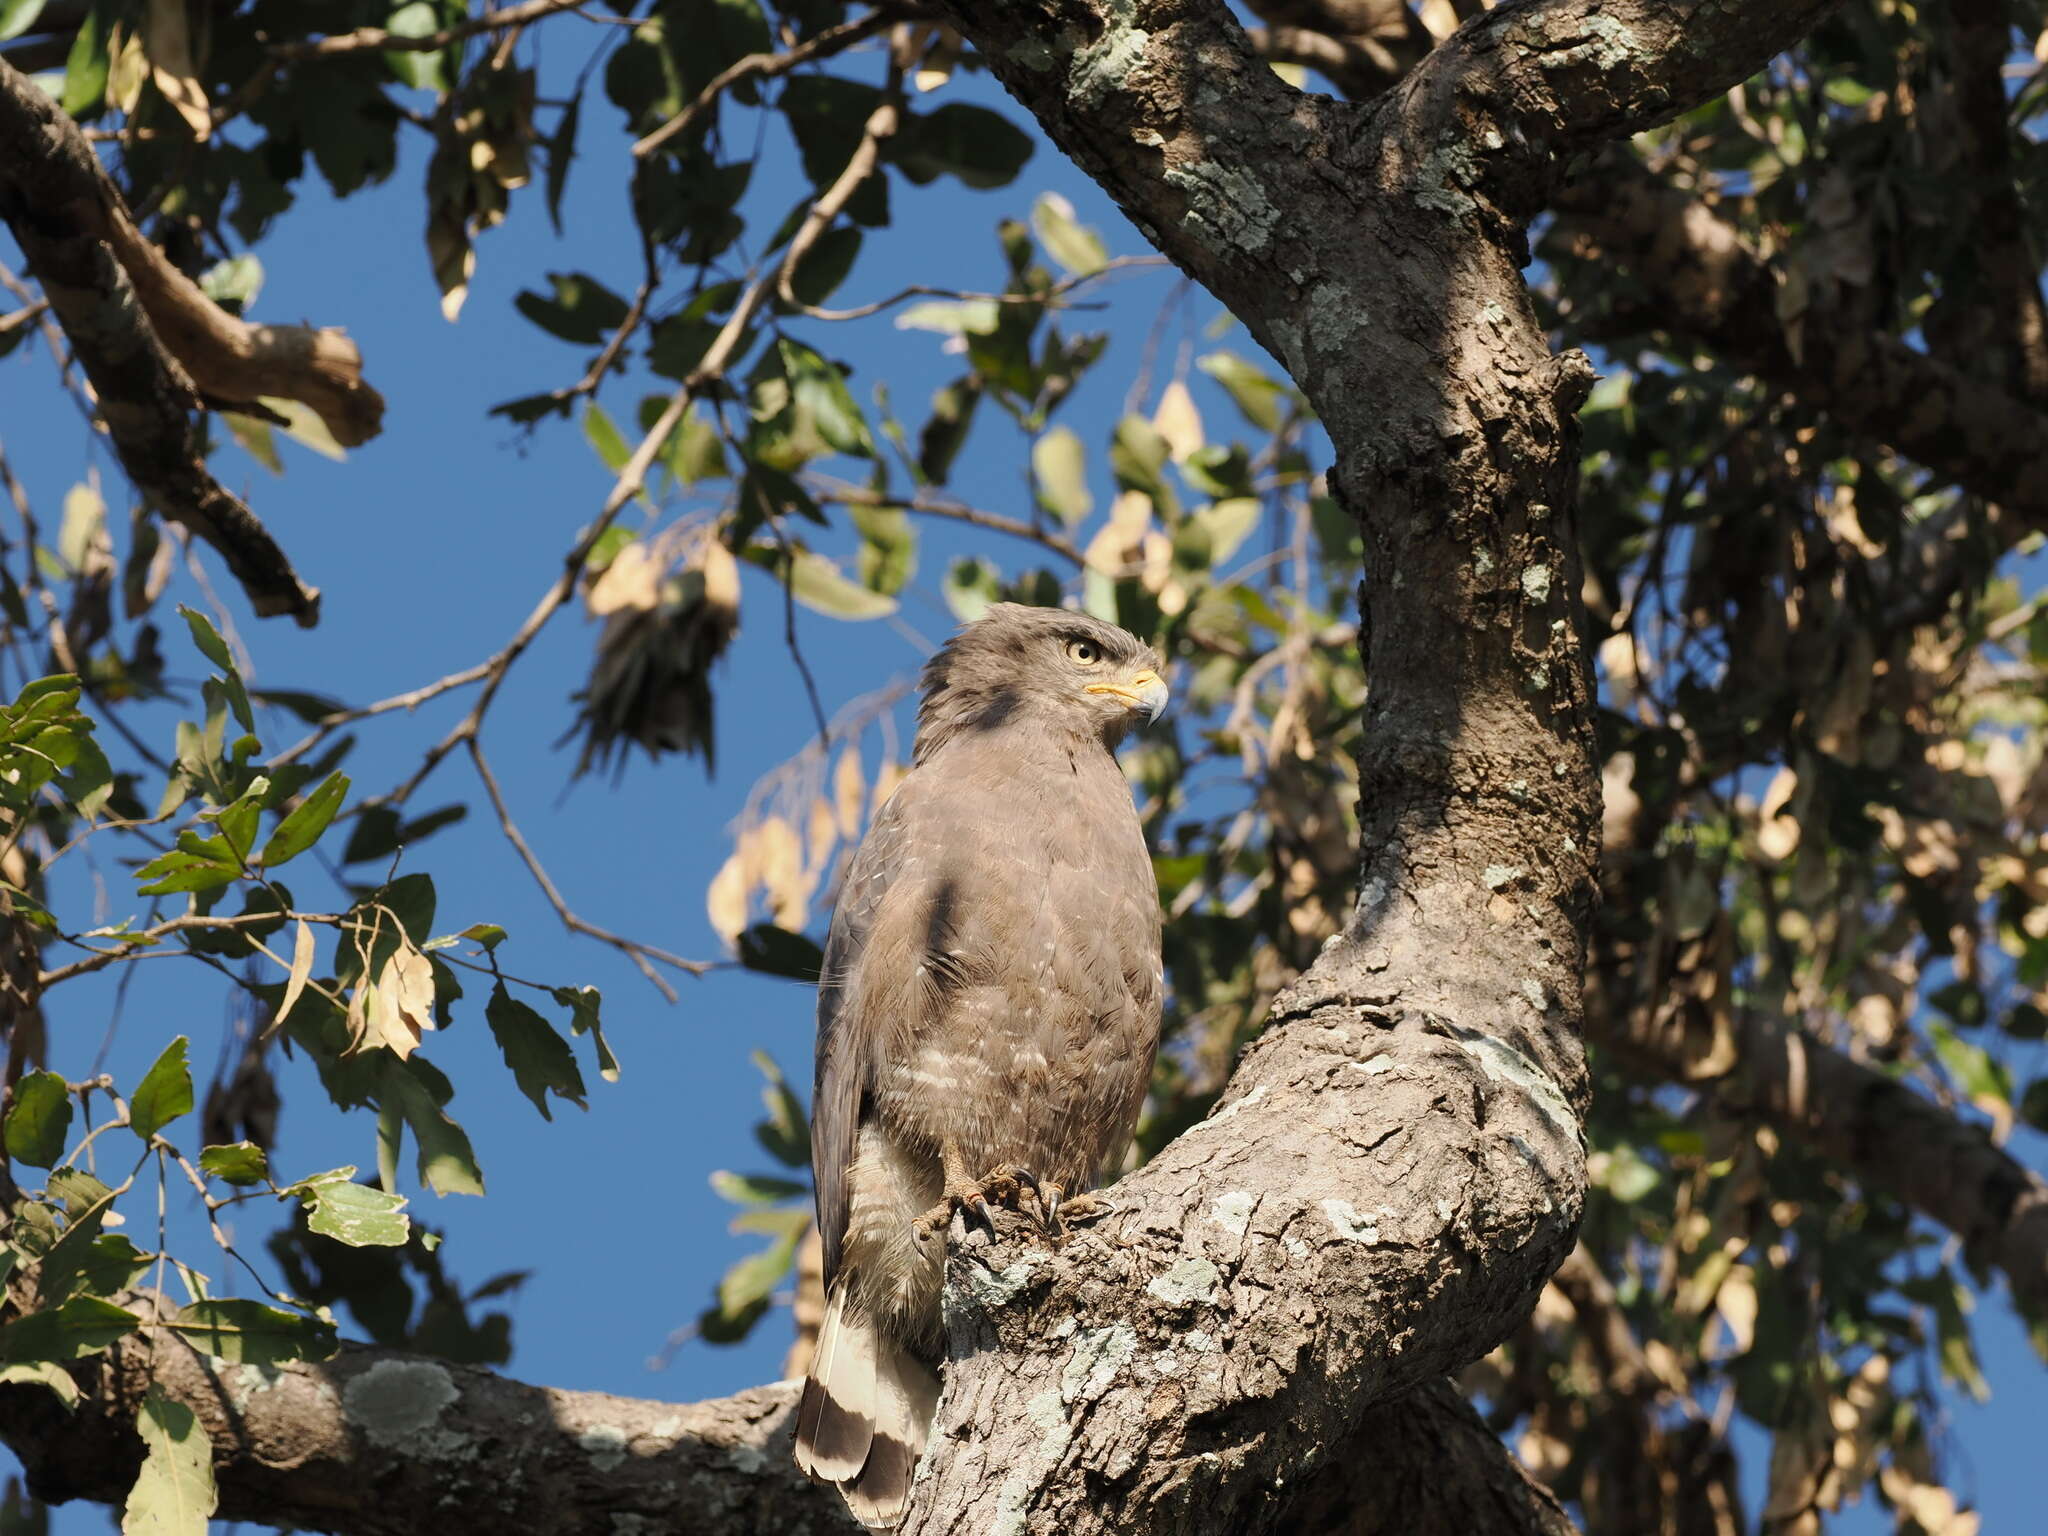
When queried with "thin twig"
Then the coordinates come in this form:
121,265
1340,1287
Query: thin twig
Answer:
378,40
640,954
766,66
100,959
845,494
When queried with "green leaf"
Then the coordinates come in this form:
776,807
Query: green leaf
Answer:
241,1162
1976,1071
582,310
951,318
818,388
251,1333
174,1493
586,1005
539,1057
43,1373
604,437
207,638
971,585
423,69
2033,1104
1228,524
1137,457
356,1214
785,1134
983,148
184,869
490,935
233,282
307,821
778,952
817,583
888,548
447,1165
1069,242
17,16
83,1326
165,1093
87,65
561,151
1059,467
38,1120
756,1188
1257,396
749,1282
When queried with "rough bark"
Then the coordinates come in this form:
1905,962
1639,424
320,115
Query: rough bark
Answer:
69,223
377,1442
1396,1166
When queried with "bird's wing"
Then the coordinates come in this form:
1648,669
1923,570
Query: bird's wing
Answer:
846,1038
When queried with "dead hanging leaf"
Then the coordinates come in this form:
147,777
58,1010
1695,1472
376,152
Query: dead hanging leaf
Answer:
1928,1505
168,43
1777,835
402,1007
671,606
631,581
303,951
848,791
127,68
1735,1304
823,834
1178,423
782,872
725,900
480,155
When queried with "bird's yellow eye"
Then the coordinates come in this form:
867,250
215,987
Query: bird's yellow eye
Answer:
1083,653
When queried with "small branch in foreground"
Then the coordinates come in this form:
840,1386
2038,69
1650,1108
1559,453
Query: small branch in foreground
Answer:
640,954
378,40
766,66
145,397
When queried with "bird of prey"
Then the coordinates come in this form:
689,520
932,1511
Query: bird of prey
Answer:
989,1001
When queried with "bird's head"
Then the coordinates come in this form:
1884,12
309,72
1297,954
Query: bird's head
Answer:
1056,670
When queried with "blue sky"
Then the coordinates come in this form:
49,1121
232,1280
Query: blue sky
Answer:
431,544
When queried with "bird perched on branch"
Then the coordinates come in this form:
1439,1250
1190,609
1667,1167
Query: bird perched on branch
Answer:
988,1011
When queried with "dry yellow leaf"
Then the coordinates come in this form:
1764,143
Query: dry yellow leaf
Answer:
169,45
725,901
848,791
301,967
1177,421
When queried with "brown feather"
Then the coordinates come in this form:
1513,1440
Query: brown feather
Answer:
991,982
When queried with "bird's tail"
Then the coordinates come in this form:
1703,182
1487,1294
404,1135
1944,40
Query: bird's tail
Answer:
865,1413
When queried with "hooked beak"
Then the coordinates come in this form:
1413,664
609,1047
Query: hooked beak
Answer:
1142,690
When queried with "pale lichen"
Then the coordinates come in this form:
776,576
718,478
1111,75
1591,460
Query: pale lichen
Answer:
1505,1064
1226,202
1350,1223
1190,1282
1099,1353
1497,875
397,1404
1233,1211
994,1288
604,1444
1536,583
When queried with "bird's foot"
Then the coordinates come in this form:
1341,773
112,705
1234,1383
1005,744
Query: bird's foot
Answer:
1083,1208
1004,1185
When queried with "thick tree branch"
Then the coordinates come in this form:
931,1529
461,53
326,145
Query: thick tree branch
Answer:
1871,1125
144,396
1396,1167
1709,285
377,1442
